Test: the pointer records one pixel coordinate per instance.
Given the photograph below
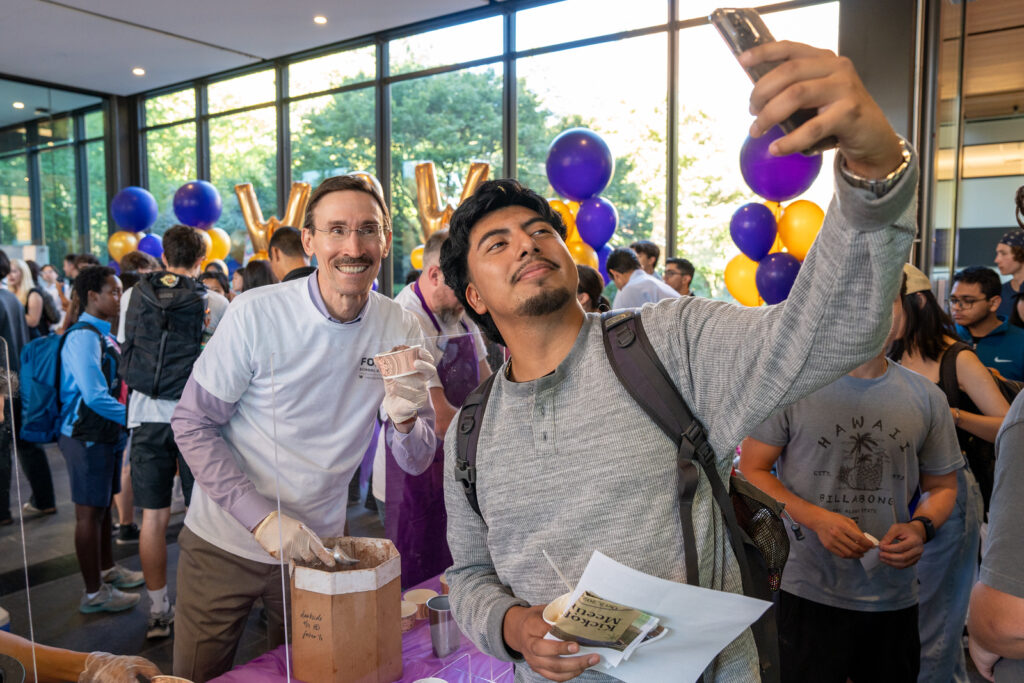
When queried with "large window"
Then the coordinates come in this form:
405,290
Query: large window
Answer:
627,107
603,64
53,187
451,119
15,204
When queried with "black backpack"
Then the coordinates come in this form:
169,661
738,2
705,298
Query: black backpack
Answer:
756,530
163,334
980,454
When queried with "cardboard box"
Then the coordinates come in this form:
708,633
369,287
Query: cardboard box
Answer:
347,622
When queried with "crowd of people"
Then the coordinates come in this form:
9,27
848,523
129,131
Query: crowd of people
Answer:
882,422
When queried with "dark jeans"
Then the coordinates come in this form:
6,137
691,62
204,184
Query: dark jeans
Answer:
830,645
33,462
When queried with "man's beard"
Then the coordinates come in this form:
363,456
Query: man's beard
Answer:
449,316
548,301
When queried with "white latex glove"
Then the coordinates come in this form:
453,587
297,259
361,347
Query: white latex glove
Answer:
103,667
404,396
280,535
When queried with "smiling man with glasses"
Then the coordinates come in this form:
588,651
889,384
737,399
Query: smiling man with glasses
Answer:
973,304
283,402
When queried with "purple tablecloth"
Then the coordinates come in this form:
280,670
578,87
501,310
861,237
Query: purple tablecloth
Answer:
465,665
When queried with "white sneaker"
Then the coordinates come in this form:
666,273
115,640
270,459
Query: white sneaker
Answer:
159,625
109,599
122,577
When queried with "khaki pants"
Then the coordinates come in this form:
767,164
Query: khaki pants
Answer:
216,591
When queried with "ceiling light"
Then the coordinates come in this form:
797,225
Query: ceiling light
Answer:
139,71
320,19
18,105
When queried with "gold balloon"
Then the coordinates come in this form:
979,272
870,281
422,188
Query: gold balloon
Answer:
573,206
220,244
778,246
433,216
416,257
261,231
122,242
567,217
800,223
739,279
372,180
582,253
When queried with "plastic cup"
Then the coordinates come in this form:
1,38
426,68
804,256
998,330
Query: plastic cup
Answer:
556,608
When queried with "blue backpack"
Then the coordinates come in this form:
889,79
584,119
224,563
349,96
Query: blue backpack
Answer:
40,386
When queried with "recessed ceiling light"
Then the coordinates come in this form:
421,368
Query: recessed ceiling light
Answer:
320,19
18,105
139,71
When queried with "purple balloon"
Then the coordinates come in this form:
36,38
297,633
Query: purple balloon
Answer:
134,208
232,265
778,179
197,203
753,229
115,265
152,244
596,221
602,262
775,276
579,164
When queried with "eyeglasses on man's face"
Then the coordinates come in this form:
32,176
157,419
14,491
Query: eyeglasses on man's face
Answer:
965,302
341,232
670,273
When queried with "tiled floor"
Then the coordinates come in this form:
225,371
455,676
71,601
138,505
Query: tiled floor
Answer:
56,585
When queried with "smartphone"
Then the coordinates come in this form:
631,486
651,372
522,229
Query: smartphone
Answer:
743,29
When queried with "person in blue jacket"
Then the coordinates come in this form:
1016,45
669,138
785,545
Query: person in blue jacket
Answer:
92,437
973,304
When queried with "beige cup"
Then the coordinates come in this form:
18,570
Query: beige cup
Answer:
444,585
556,608
419,598
398,363
409,611
168,679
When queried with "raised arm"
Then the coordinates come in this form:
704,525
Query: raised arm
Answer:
735,366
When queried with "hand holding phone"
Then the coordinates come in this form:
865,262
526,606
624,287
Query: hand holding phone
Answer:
743,29
791,77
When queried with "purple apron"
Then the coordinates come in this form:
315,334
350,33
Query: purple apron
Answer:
415,518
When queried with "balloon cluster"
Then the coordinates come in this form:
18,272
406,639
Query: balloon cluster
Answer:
196,203
773,239
579,167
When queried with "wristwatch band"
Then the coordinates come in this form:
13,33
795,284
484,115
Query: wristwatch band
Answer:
929,528
878,186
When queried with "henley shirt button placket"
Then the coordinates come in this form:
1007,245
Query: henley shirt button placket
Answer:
544,424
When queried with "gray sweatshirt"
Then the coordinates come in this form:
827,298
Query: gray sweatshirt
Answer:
569,463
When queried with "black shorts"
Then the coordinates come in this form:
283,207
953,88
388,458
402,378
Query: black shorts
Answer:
155,460
94,471
830,645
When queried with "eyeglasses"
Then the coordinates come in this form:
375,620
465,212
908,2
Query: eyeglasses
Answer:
673,272
965,302
340,233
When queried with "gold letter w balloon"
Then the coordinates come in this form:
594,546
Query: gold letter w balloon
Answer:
261,231
428,198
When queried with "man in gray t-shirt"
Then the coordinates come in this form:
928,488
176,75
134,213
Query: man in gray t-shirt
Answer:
848,460
996,622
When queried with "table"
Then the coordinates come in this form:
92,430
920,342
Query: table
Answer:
465,665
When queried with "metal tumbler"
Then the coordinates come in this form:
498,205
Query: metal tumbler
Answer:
444,632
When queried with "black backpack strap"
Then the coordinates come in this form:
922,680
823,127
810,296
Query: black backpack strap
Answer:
640,371
645,379
948,381
470,418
